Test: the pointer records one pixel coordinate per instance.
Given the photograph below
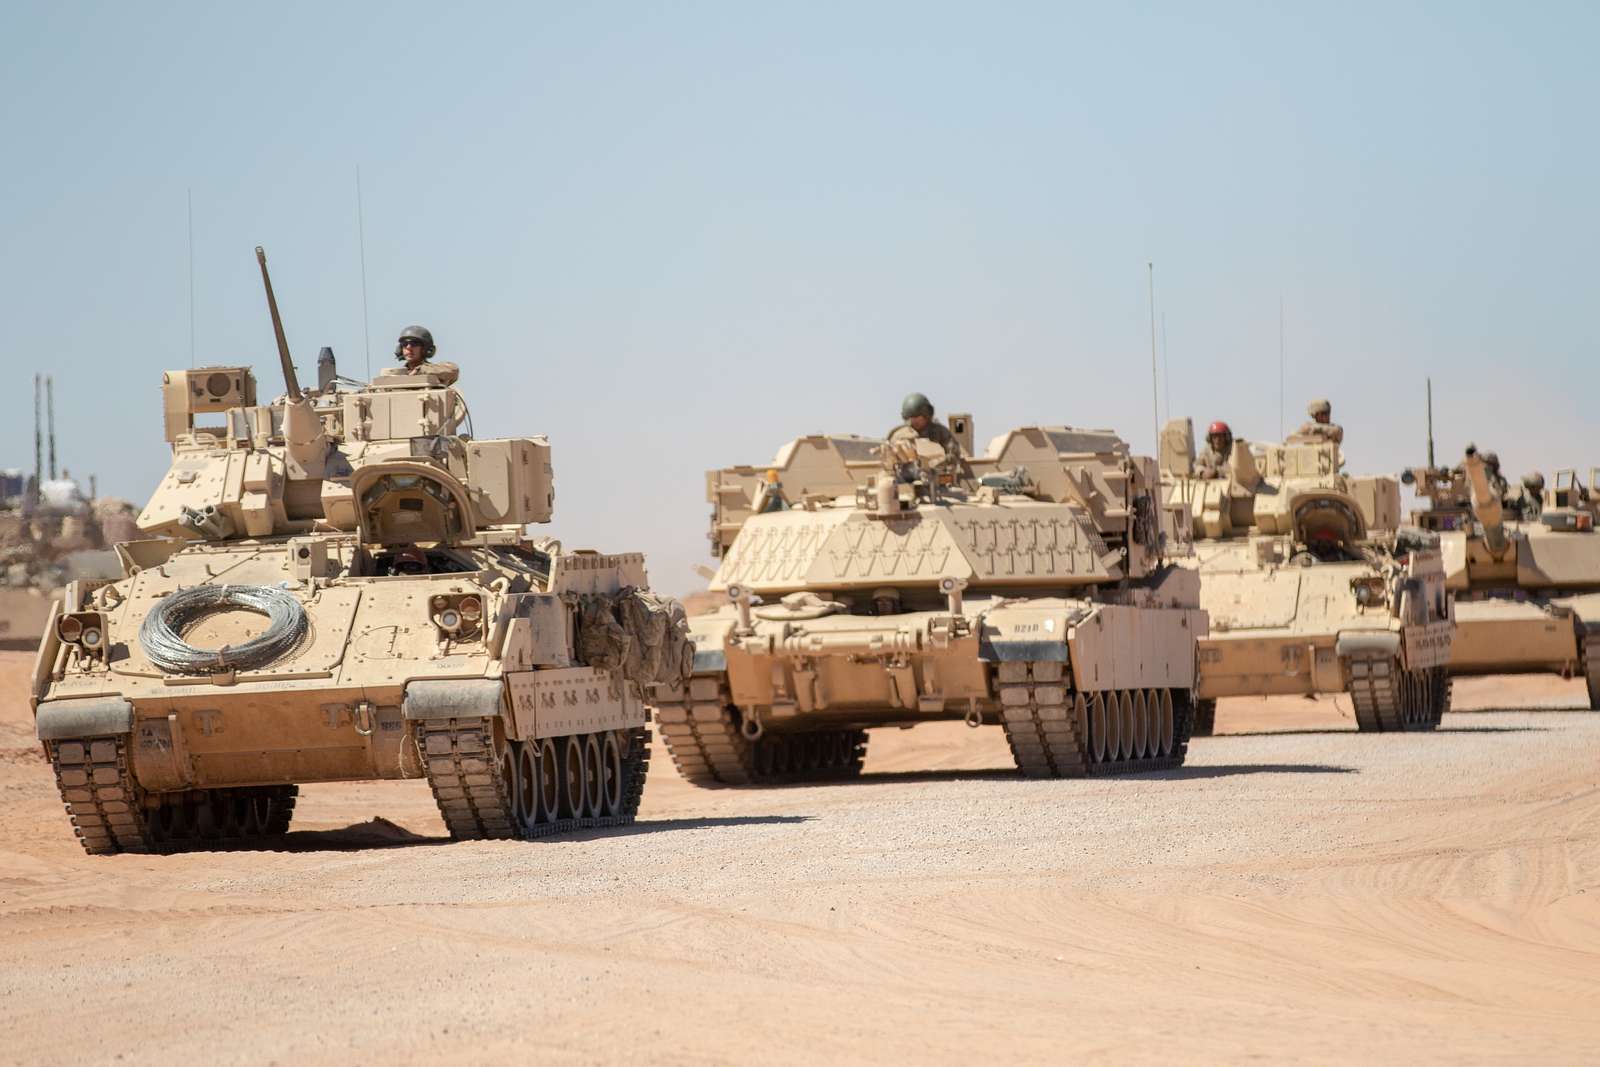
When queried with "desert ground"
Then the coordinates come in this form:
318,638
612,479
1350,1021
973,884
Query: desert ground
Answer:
1296,891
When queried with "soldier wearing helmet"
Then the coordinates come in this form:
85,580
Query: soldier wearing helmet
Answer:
1213,459
415,349
1527,501
1320,429
917,411
1491,470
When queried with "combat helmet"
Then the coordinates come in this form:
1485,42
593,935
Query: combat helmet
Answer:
916,404
415,333
1319,408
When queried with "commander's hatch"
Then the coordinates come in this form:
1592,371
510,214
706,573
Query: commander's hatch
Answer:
1326,519
408,503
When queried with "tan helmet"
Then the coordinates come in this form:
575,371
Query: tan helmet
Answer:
1319,409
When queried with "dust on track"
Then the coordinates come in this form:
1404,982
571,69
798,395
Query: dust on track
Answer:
1297,889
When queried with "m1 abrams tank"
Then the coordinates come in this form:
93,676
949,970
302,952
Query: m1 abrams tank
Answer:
1310,585
1527,589
336,586
880,584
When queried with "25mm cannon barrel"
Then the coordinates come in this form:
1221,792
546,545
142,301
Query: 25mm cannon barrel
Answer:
290,382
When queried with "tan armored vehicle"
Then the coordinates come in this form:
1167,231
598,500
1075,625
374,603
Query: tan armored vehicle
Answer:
1527,589
336,586
881,584
1310,585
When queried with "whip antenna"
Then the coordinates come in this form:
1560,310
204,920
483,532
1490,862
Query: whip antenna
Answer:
1280,367
191,278
1430,423
1155,385
361,230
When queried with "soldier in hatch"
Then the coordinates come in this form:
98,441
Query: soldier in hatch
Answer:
1527,503
1213,459
1491,469
917,411
1321,428
415,349
1491,473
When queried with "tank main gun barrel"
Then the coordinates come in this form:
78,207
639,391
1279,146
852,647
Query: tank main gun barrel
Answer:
1486,505
291,383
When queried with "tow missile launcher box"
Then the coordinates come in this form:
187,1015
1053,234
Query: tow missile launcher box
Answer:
881,583
337,586
1524,568
1311,585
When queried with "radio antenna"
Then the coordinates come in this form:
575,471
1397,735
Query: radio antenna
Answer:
361,229
1430,423
1155,384
191,279
1280,367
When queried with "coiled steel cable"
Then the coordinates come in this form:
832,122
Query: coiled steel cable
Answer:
162,631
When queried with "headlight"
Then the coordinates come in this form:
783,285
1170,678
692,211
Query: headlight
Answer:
458,616
1368,591
85,630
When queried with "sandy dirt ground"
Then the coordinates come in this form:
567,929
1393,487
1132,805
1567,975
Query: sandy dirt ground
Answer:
1296,891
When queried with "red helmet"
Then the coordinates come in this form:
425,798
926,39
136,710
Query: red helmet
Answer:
1219,427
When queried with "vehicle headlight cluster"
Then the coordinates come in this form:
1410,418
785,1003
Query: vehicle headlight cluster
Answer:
85,630
457,615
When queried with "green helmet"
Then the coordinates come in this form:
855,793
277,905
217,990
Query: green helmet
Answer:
916,404
415,333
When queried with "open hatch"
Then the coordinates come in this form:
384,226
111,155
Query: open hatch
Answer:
402,503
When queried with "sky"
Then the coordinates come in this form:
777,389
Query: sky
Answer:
673,237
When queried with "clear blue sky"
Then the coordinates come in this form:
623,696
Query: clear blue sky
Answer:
674,236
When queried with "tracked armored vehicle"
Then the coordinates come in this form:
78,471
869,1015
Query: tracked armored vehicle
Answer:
878,584
1527,588
1310,584
336,586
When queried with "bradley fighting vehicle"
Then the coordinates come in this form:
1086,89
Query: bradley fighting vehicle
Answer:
337,586
1310,585
1526,579
879,583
